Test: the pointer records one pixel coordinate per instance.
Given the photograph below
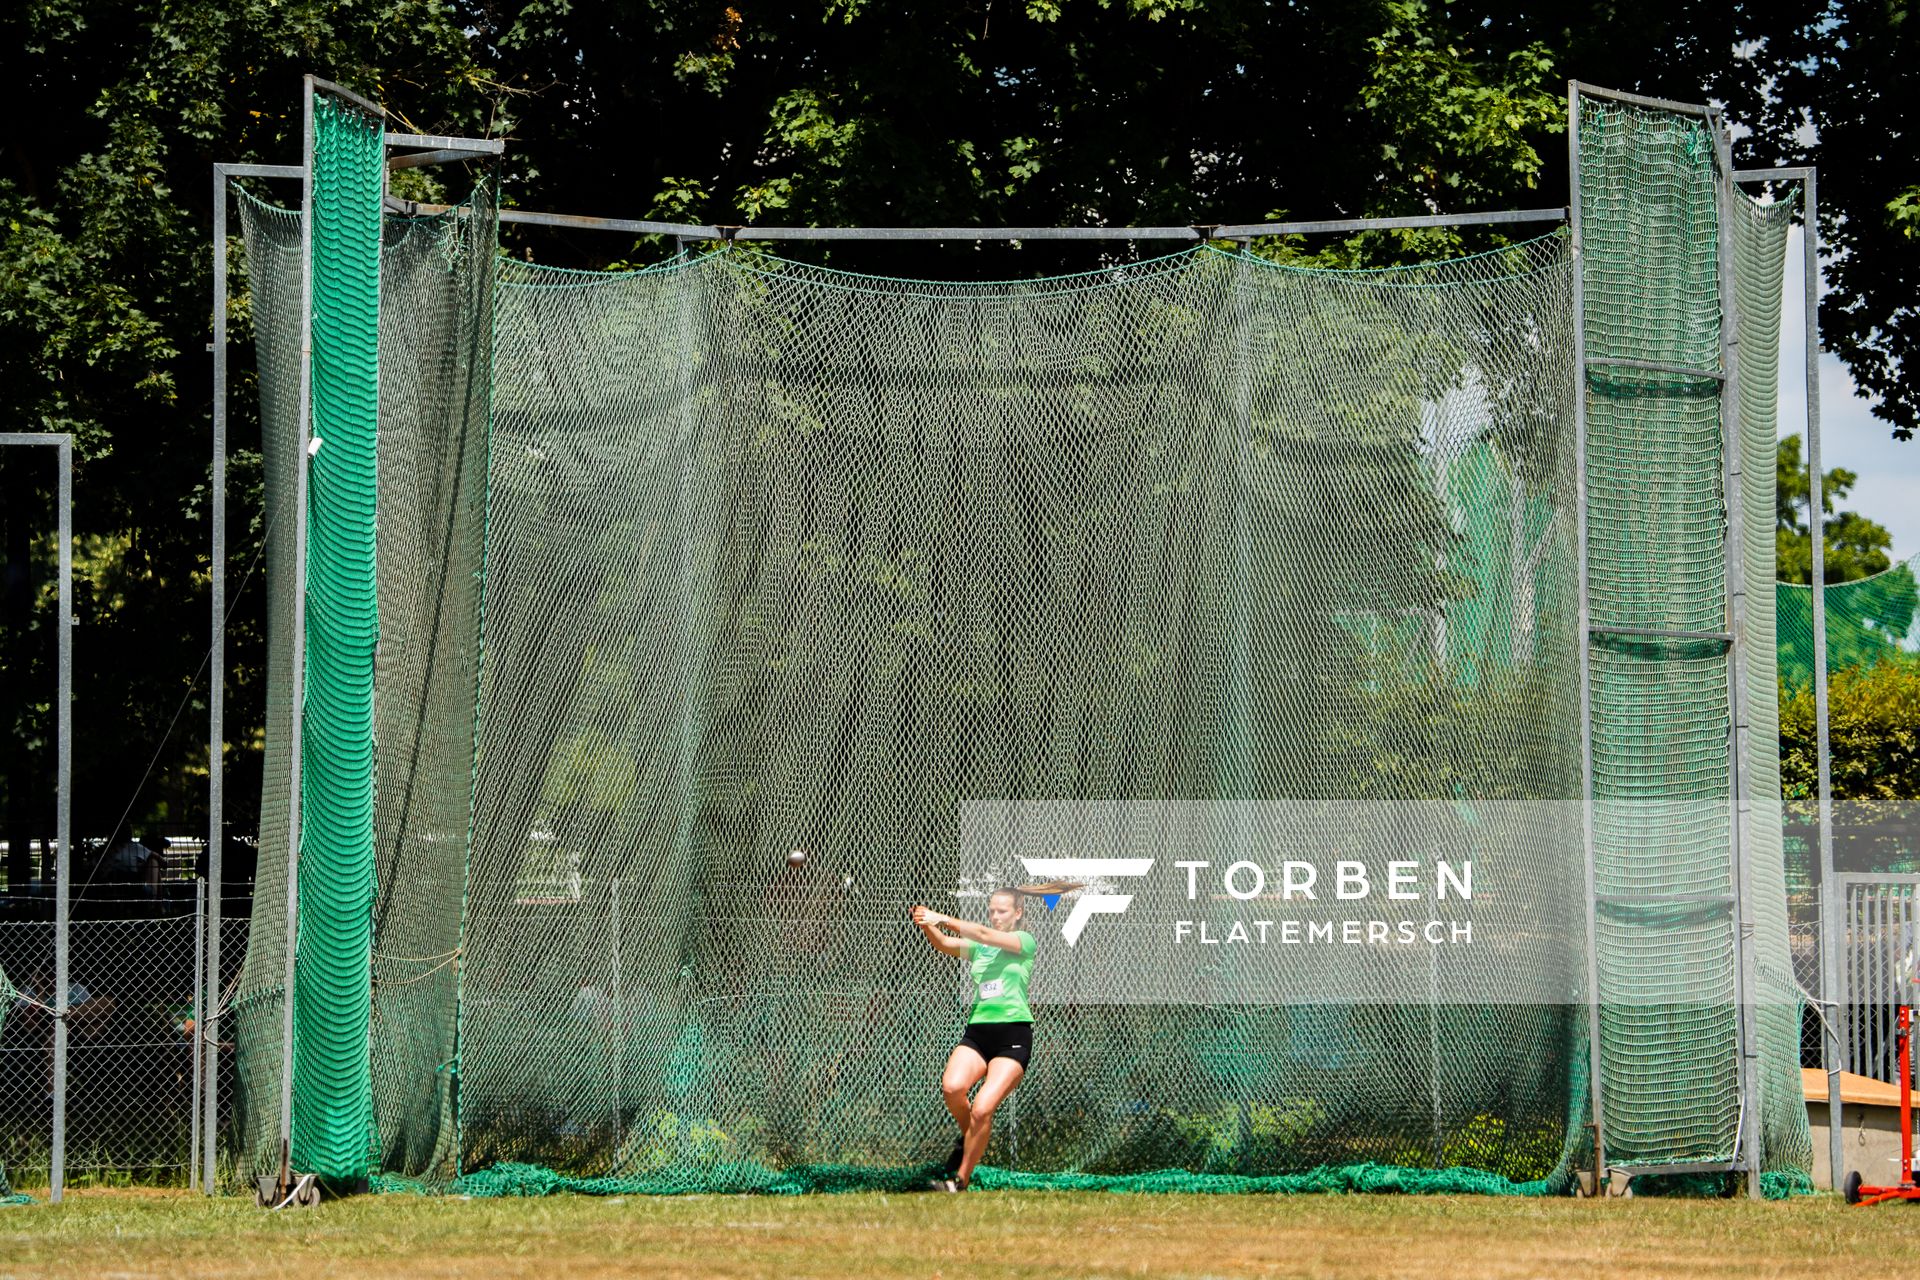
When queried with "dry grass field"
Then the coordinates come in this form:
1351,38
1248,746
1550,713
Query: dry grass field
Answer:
105,1235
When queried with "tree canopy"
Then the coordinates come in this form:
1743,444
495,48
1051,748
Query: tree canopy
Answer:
834,111
1855,546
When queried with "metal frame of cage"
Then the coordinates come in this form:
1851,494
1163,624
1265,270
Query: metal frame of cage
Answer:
412,150
62,445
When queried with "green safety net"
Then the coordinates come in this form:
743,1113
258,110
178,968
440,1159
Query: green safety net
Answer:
332,1102
258,1009
1662,807
1869,621
333,988
1667,831
1759,237
684,568
436,334
830,556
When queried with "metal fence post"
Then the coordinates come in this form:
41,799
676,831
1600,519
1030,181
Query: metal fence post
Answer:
198,1034
62,445
63,872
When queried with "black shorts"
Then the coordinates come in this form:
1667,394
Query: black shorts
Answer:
1000,1040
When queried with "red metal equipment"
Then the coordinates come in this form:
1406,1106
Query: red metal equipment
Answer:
1907,1190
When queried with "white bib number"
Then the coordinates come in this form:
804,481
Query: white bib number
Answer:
993,990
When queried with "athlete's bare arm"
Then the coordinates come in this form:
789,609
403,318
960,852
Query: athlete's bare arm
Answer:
928,922
968,929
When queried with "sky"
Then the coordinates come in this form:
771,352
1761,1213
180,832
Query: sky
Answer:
1850,436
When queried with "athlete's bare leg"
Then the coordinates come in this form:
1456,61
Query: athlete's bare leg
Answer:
965,1066
1002,1075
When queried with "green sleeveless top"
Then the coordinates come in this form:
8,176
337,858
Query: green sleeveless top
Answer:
1001,979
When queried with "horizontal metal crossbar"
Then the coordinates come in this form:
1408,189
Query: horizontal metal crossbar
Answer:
440,142
340,91
630,226
969,233
1586,90
1699,1166
1848,879
1655,366
261,170
57,440
1661,632
418,159
1244,230
1192,234
1797,173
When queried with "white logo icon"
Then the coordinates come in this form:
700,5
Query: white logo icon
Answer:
1088,904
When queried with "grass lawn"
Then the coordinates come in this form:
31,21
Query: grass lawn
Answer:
105,1235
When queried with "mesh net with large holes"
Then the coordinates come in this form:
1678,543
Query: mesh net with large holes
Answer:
1869,620
682,569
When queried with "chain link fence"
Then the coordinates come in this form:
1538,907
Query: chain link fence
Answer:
131,1106
1803,945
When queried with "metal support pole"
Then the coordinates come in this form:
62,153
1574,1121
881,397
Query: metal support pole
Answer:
1740,837
198,1034
1596,1089
62,445
207,1023
299,691
63,826
206,1038
1832,904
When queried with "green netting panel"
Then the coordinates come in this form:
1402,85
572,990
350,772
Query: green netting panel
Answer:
1759,268
1656,523
779,557
272,303
1868,621
436,335
1664,832
332,1107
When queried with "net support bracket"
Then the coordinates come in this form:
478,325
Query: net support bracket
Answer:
443,142
1653,366
1664,633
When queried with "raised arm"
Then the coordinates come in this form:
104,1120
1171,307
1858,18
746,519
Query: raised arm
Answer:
973,932
927,921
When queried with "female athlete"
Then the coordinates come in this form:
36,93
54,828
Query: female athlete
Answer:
999,1036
